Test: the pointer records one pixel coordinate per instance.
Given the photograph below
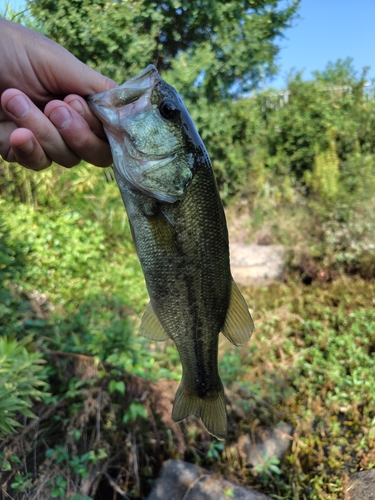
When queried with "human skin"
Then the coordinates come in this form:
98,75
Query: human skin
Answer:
44,117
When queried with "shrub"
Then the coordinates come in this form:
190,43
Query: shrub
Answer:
22,376
349,239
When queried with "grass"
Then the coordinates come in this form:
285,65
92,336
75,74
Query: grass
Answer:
312,360
311,363
73,287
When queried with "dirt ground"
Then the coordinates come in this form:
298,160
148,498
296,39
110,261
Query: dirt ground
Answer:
255,259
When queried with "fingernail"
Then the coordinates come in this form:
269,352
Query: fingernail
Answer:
60,117
27,146
18,106
77,106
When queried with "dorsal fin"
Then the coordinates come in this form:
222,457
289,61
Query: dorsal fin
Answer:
151,327
238,325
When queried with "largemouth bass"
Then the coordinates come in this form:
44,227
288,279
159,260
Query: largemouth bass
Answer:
178,225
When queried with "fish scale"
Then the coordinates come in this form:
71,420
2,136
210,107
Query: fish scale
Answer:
180,233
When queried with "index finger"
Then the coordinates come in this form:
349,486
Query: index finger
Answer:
78,135
81,107
23,112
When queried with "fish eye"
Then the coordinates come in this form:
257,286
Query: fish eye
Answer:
169,110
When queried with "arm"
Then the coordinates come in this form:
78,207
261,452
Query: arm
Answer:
43,116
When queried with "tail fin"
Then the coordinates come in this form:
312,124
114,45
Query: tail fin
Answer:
211,410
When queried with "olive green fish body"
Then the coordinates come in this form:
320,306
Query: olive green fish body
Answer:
184,254
179,229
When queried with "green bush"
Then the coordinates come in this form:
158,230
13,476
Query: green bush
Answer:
349,239
22,376
64,250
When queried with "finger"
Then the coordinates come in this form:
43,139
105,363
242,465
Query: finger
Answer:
21,110
78,135
42,68
26,150
6,128
80,105
20,145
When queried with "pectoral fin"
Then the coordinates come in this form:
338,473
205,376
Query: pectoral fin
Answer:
238,325
163,231
151,327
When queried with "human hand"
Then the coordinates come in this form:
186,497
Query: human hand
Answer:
37,73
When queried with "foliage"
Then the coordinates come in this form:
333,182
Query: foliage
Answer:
271,141
267,468
315,135
238,38
348,239
79,466
22,376
90,189
323,180
312,138
64,250
81,429
312,362
301,163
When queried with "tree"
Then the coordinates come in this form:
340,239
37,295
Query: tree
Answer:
229,46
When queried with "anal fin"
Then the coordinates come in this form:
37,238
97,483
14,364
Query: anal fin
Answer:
151,327
238,325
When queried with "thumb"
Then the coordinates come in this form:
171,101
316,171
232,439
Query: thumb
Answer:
69,75
43,69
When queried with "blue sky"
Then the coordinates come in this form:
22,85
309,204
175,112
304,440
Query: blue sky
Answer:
327,30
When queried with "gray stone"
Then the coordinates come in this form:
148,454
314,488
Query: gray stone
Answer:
361,485
266,443
180,480
256,264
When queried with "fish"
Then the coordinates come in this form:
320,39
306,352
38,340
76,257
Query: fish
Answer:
178,225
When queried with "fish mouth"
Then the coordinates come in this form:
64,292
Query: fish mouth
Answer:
138,168
108,105
128,92
135,94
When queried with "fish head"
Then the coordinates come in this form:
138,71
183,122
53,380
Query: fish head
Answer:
154,142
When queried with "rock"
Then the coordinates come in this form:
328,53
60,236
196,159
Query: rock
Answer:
361,485
267,442
179,480
263,237
256,264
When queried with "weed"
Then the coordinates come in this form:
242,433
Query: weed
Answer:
22,375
